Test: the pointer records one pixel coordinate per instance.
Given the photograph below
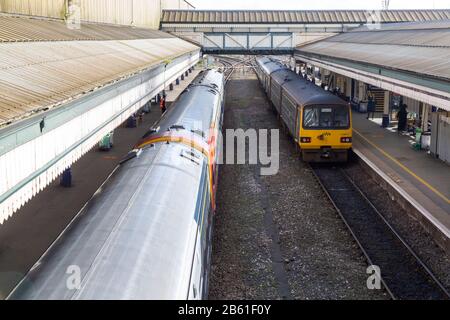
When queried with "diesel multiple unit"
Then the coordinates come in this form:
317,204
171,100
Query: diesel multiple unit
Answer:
319,121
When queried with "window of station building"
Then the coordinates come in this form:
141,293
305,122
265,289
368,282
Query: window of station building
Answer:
326,117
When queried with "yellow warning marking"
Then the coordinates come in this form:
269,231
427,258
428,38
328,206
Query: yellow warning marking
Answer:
405,168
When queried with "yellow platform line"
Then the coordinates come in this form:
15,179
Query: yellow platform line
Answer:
405,168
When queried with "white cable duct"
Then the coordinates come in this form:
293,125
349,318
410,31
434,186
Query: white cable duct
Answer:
23,161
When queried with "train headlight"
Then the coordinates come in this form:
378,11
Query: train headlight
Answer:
346,140
305,140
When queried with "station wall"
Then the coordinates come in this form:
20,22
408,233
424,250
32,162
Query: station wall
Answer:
140,13
43,8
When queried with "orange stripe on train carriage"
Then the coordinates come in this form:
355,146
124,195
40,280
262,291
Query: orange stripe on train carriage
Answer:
192,141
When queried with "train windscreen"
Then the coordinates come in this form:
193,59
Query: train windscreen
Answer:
326,117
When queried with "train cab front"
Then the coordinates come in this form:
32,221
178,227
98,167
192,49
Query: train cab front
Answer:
326,133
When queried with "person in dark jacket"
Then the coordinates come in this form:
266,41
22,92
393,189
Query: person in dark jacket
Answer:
402,118
371,106
162,104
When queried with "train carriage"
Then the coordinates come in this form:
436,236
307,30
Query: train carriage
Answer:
146,233
319,121
265,68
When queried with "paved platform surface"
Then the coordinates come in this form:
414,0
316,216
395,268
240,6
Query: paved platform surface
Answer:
177,89
421,176
28,234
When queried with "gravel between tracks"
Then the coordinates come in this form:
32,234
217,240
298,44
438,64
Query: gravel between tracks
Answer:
278,237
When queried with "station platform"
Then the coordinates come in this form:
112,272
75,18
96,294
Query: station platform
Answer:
171,96
418,177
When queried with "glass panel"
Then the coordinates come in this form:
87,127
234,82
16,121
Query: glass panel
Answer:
341,118
329,117
311,117
326,117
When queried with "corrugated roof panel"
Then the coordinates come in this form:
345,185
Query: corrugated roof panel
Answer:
315,16
421,47
42,74
339,16
440,15
422,16
308,17
288,17
33,29
404,16
237,16
301,16
295,16
325,16
253,17
276,17
431,15
333,16
266,16
353,16
414,16
223,16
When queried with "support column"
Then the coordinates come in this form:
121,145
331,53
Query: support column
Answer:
426,117
348,88
362,91
386,109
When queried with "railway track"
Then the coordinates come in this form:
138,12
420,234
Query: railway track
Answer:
403,274
231,64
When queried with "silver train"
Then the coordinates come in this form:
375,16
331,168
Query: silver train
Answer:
146,233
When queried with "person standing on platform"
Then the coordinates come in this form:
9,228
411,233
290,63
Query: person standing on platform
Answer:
402,118
371,106
162,104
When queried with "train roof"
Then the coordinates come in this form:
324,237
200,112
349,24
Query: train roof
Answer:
305,92
209,77
131,241
269,66
192,111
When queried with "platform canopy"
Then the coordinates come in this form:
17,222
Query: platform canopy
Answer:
44,64
63,89
412,59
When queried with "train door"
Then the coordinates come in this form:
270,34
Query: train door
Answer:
299,123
